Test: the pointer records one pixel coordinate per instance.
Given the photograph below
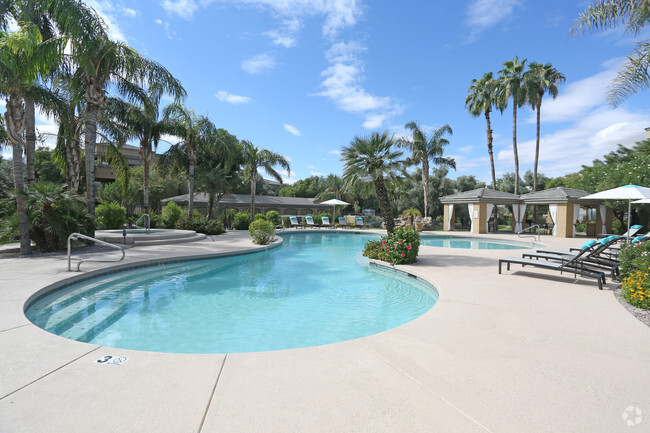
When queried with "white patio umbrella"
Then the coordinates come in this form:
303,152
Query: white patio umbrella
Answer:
335,202
626,192
642,201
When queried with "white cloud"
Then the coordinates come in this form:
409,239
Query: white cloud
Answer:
182,8
335,152
484,14
313,167
466,149
286,34
258,64
106,10
224,96
316,173
170,33
342,85
292,130
130,12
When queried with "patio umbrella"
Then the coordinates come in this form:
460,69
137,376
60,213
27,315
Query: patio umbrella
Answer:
626,192
642,201
335,202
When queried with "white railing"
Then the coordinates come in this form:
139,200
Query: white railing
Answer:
147,222
88,238
530,235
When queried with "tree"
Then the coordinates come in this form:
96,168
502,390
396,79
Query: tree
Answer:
190,128
372,157
540,79
100,61
511,78
634,15
424,149
254,159
24,58
483,94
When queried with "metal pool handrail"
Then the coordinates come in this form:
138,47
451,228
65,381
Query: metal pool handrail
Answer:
88,238
147,222
535,226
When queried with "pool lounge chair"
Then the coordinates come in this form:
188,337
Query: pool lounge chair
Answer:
295,223
309,220
325,222
343,222
628,234
358,222
575,265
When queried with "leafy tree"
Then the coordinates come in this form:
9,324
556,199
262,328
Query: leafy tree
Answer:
511,79
468,183
540,79
483,94
254,159
425,149
46,168
634,15
372,157
307,188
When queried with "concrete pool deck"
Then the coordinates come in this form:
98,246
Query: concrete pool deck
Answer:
525,351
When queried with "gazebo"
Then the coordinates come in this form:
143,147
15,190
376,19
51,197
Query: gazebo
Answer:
480,203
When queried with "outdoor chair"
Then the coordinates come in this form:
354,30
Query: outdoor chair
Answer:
310,222
628,234
358,222
295,223
343,222
574,265
325,222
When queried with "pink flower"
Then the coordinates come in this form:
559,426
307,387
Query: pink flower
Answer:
403,255
400,242
388,251
408,247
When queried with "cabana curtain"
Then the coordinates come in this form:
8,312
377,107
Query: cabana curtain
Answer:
518,211
488,208
602,209
451,217
552,209
470,208
576,215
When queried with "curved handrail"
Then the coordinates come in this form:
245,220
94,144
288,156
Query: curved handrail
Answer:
147,222
80,236
534,226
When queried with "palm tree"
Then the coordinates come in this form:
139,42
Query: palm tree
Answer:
424,149
254,159
100,61
634,14
191,129
483,94
540,79
372,157
511,78
24,57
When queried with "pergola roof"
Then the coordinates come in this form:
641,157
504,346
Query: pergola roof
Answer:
482,195
202,198
557,195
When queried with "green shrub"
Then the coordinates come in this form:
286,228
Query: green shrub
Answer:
200,225
286,221
274,217
241,221
634,257
261,231
259,216
170,214
399,248
110,215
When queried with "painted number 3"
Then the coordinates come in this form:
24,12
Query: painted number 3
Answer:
113,360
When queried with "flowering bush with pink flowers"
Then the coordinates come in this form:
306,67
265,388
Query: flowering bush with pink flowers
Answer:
399,248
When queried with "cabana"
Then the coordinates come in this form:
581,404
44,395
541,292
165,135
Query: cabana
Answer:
480,203
564,209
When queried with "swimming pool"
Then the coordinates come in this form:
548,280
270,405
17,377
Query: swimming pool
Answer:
315,289
450,241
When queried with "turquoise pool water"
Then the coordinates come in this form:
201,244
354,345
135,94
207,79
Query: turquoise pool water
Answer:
447,241
315,289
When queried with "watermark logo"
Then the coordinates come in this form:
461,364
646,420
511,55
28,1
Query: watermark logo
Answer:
632,416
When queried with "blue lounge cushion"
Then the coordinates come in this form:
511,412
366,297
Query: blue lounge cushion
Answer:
587,244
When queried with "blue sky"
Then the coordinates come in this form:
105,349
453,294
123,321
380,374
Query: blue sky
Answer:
303,77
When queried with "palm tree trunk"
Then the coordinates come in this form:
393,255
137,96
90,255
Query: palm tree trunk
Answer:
425,185
490,150
514,144
539,106
14,118
253,188
210,204
73,157
30,141
384,203
90,137
191,155
145,155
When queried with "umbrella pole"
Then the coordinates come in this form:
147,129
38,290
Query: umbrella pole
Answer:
629,218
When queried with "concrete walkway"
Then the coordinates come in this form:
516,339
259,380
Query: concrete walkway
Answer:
525,351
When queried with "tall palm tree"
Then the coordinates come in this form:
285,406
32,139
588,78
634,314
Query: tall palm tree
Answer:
483,94
24,57
100,61
254,159
540,79
191,128
634,75
425,149
511,78
373,158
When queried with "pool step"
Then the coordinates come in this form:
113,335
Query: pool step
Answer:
176,240
155,237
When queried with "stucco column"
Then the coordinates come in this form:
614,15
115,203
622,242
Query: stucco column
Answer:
564,223
479,218
445,216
